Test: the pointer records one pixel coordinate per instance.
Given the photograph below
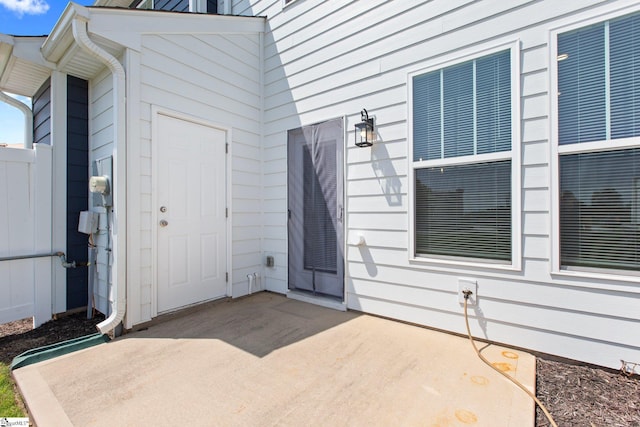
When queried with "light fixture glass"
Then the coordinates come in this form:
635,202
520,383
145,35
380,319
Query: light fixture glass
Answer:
364,130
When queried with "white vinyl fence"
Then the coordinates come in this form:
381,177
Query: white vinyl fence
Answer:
25,234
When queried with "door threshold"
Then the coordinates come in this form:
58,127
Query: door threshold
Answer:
320,300
184,310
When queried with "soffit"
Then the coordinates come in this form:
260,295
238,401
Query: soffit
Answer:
79,63
61,47
22,68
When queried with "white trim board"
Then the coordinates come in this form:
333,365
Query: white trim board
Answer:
317,300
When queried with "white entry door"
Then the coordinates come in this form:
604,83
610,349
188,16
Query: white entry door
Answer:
191,220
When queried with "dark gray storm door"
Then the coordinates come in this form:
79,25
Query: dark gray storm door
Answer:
315,202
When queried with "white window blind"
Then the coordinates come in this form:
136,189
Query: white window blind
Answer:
600,216
598,84
464,211
464,109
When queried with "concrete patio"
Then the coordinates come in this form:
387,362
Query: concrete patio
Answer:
267,360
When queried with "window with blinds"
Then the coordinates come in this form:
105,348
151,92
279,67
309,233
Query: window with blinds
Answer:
599,183
462,141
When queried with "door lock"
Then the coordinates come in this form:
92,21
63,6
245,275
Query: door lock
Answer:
163,223
163,209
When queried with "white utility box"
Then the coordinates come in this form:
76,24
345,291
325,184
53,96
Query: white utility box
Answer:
88,223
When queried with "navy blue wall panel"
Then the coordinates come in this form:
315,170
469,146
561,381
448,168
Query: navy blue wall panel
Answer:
77,187
212,6
172,5
41,107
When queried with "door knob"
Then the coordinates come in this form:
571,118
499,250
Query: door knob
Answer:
163,223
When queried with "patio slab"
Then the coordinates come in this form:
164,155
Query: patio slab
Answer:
267,360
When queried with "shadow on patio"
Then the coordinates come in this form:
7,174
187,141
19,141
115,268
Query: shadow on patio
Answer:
269,360
258,324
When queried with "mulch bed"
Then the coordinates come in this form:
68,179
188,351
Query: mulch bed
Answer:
579,395
576,395
18,337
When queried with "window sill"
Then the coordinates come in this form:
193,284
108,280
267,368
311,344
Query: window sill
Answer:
452,264
599,277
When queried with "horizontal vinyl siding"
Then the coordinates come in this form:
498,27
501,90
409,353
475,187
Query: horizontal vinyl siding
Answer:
41,107
331,59
77,194
100,146
214,78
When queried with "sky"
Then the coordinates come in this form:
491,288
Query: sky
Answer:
25,18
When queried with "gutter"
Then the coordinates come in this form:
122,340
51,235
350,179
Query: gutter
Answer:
79,27
28,117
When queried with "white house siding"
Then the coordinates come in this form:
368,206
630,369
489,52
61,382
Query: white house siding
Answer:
100,147
326,59
216,78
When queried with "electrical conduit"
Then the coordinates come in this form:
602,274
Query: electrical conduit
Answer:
79,26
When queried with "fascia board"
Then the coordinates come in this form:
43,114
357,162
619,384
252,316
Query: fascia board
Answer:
6,47
61,36
160,22
110,24
6,39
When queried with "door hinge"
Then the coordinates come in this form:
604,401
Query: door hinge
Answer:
226,277
226,212
226,148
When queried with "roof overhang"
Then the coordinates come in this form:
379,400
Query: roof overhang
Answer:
116,28
23,69
26,62
61,48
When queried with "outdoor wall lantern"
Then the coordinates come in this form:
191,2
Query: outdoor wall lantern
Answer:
364,130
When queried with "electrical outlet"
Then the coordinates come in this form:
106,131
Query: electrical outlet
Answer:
467,285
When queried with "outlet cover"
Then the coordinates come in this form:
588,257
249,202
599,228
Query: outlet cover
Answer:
467,284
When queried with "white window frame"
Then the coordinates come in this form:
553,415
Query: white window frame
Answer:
198,6
577,22
460,56
145,4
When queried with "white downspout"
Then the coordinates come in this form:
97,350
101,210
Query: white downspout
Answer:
80,35
28,117
227,7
